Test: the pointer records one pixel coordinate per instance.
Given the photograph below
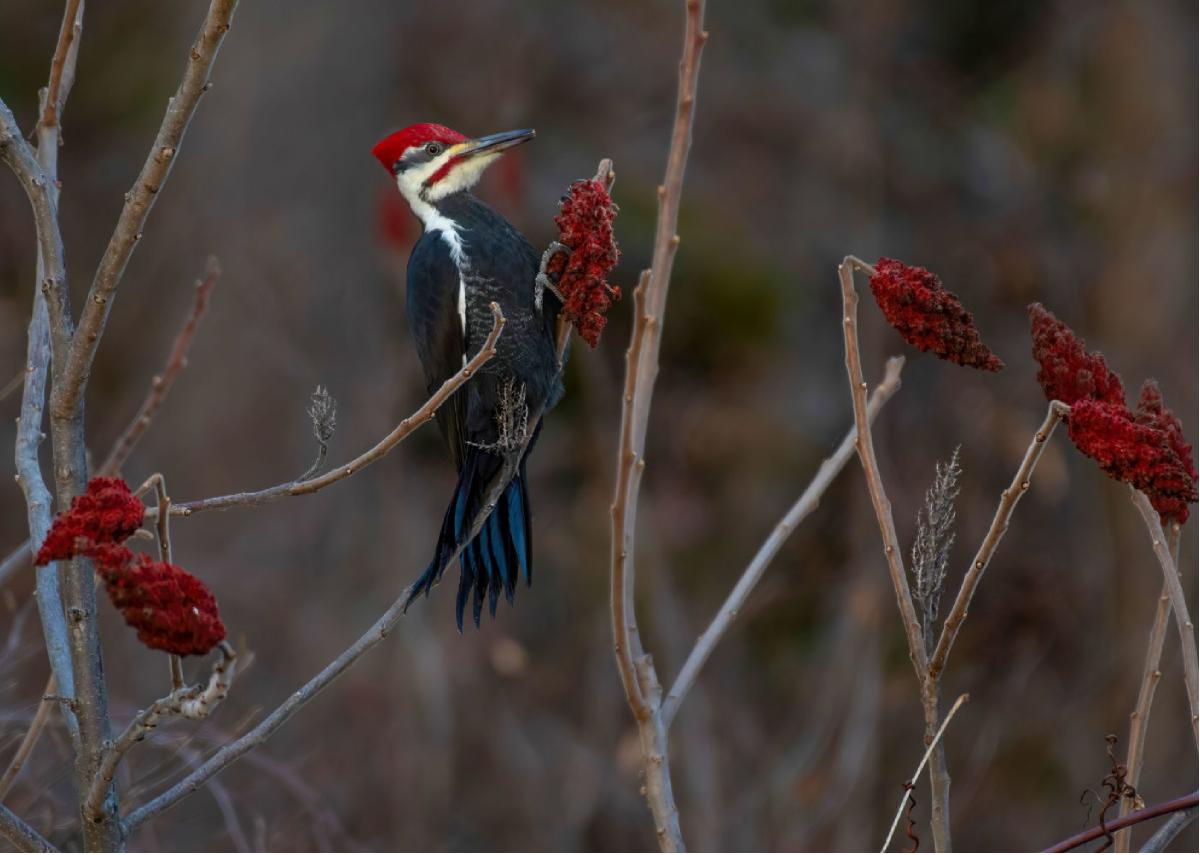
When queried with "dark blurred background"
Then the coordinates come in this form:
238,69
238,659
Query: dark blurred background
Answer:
1023,150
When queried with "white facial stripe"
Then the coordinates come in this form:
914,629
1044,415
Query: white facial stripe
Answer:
462,176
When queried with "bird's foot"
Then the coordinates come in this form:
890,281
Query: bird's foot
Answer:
542,283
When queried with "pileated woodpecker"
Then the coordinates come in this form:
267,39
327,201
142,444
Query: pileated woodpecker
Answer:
467,258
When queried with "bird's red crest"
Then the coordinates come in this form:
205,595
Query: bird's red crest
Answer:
389,149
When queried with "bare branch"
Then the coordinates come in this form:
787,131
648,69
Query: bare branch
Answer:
866,454
161,384
21,834
650,301
40,187
805,505
1008,503
61,72
400,433
194,702
49,335
939,777
68,394
1183,621
1139,720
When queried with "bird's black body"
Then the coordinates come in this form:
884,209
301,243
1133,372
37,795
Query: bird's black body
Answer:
468,247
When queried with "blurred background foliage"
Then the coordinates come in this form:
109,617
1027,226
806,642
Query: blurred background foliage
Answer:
1023,150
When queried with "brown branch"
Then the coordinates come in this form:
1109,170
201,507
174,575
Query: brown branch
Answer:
1183,621
1139,720
338,473
866,454
161,384
1077,840
68,393
1008,503
30,739
68,35
805,505
642,690
939,777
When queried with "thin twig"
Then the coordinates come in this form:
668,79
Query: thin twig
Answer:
30,739
161,383
68,34
338,473
962,699
1139,720
163,536
642,690
1183,621
68,393
1008,503
1096,832
939,777
21,834
866,454
805,505
194,702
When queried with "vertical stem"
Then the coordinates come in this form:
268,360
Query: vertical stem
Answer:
939,775
1183,621
642,689
866,455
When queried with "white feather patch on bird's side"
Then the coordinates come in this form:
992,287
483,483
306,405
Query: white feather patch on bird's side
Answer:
462,313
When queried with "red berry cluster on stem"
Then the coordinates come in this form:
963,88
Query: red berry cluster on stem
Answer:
1145,449
929,317
103,514
171,609
1066,370
585,224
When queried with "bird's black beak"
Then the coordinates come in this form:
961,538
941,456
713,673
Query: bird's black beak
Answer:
496,143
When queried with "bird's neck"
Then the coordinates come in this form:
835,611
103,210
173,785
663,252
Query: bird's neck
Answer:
443,217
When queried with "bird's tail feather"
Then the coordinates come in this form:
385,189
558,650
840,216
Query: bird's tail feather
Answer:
501,550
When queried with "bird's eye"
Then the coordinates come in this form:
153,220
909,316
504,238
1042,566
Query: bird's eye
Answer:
433,148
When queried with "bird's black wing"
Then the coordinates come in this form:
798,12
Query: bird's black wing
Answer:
433,318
